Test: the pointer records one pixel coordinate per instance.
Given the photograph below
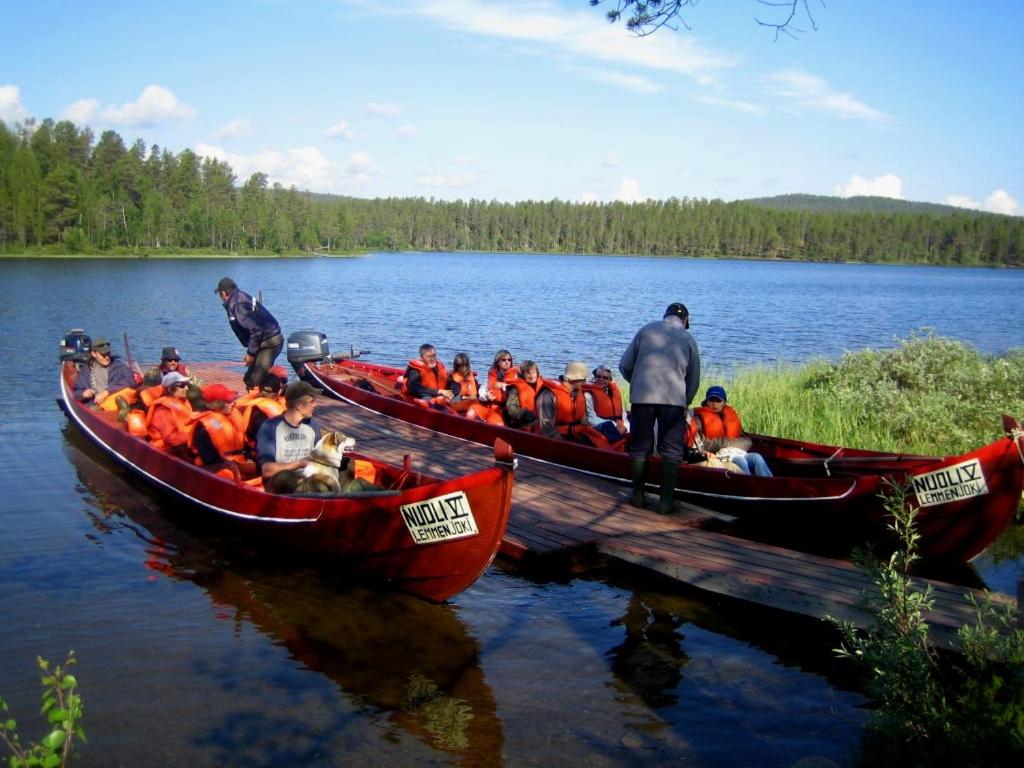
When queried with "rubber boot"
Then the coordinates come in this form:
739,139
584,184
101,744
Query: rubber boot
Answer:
638,469
122,409
666,505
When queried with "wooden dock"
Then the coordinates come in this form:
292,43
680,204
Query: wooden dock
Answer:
567,520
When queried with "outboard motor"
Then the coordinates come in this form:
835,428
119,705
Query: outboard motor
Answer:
75,346
307,347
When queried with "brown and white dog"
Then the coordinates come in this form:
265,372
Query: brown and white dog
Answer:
322,473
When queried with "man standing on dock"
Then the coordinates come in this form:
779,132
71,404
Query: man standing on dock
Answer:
255,327
662,366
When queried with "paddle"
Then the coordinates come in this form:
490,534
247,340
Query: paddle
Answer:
131,363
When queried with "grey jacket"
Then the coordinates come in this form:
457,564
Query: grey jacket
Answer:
662,364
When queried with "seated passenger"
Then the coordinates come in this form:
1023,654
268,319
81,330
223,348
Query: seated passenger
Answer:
604,404
170,360
562,410
521,396
104,379
499,376
169,419
255,408
217,433
426,379
468,400
285,442
721,433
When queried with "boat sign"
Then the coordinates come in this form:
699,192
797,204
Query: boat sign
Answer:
441,518
959,481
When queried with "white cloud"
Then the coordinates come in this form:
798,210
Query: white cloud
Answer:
611,160
739,106
303,167
81,112
155,104
406,130
233,129
11,108
997,202
888,185
633,83
340,130
802,89
583,34
588,197
628,191
383,110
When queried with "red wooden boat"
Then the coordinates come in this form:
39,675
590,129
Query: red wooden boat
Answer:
429,537
819,492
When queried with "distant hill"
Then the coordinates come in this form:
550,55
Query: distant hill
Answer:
825,204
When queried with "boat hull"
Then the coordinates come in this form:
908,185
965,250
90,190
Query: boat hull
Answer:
405,540
819,492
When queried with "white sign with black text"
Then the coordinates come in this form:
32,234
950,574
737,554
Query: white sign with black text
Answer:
959,481
441,518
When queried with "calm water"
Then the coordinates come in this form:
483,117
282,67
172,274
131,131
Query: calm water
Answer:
196,652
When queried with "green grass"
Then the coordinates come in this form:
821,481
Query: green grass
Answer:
928,395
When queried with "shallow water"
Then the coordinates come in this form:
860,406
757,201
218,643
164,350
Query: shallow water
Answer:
198,651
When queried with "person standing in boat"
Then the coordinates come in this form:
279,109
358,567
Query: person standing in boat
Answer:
105,378
256,329
662,366
427,379
285,442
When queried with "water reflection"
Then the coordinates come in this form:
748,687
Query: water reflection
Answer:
406,660
649,661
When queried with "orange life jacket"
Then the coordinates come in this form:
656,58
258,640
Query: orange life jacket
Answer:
226,431
528,392
468,384
137,424
571,415
180,409
431,378
607,400
714,425
150,395
269,406
110,401
498,395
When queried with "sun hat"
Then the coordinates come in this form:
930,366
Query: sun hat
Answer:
213,392
575,371
716,392
172,378
170,353
298,389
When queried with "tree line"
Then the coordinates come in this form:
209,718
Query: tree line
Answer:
62,191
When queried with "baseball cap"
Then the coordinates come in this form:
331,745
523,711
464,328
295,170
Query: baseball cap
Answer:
280,371
716,392
298,389
678,309
172,378
225,284
100,344
213,392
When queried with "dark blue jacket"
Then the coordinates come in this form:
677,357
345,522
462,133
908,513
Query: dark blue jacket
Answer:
251,321
119,377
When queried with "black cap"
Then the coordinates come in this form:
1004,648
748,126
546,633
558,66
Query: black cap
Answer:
677,309
226,284
298,389
170,353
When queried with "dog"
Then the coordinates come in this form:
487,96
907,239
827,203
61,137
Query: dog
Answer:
327,461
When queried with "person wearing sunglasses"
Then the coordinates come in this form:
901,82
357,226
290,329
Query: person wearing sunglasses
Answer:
501,374
104,378
604,404
718,431
662,366
169,419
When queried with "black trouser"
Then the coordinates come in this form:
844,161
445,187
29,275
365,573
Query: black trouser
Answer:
264,360
671,424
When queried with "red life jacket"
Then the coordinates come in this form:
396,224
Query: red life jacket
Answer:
430,378
225,431
714,425
498,395
528,392
150,395
180,409
607,399
268,406
467,383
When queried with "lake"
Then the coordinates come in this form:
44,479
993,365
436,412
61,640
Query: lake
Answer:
198,651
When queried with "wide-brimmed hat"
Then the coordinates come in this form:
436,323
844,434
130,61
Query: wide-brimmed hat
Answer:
298,389
172,378
213,392
170,353
575,371
226,284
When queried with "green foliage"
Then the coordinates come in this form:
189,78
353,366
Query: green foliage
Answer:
60,191
932,711
62,707
928,395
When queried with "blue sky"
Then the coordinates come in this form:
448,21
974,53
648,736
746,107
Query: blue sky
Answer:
537,100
